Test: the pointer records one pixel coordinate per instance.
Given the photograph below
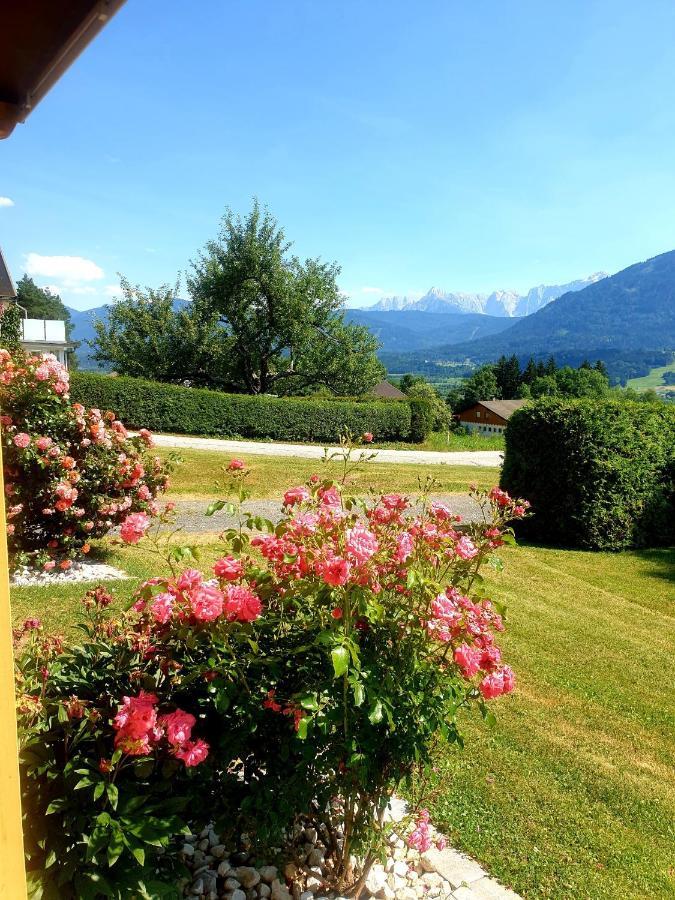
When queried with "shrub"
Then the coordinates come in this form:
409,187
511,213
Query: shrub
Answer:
71,474
599,474
164,407
439,409
421,419
308,678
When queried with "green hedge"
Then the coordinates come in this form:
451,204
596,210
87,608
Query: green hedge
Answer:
183,410
599,473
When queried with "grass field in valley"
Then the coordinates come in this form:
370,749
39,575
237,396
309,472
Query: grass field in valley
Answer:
653,380
571,795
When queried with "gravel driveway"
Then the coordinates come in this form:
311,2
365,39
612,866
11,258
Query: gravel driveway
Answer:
480,458
190,513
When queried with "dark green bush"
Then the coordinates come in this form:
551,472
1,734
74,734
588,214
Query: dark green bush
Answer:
421,419
598,473
166,407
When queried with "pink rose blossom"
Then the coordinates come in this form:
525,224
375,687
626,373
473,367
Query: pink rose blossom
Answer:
189,579
236,465
296,495
468,659
178,726
134,528
361,544
241,604
162,607
228,568
22,439
465,548
193,753
206,602
367,437
334,571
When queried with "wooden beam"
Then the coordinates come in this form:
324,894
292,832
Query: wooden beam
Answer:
12,865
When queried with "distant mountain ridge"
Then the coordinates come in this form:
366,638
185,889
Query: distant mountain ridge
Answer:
499,303
629,314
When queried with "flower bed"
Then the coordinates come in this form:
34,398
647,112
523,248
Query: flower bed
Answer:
71,474
307,675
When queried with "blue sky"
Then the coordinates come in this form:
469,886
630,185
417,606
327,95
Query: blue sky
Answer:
469,145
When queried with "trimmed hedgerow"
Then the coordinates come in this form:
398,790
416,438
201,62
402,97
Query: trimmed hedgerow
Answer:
167,407
599,474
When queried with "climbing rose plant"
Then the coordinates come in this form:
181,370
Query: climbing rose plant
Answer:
308,673
71,474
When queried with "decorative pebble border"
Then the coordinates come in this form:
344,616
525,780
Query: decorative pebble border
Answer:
25,576
437,874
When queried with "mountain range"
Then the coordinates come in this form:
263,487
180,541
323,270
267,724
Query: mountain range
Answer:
626,319
499,303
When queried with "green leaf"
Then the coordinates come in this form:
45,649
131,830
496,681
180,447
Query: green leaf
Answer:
139,855
376,713
359,693
302,727
214,506
98,790
310,703
115,845
340,657
113,795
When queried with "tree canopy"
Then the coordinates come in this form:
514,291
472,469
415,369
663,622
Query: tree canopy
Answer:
284,317
148,333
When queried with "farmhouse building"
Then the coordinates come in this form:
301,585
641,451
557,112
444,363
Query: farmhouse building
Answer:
385,390
489,416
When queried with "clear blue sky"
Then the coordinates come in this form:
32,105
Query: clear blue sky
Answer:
471,145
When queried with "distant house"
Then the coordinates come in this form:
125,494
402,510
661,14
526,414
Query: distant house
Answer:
489,416
387,391
37,335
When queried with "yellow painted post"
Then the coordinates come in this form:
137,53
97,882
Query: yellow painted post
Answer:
12,870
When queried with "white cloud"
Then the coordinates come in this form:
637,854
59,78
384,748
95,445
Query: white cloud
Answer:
5,201
71,270
112,290
372,290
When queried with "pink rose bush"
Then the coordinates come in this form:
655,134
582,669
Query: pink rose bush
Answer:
316,662
70,473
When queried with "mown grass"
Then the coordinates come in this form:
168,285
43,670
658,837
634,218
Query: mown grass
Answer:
200,470
449,441
572,794
653,380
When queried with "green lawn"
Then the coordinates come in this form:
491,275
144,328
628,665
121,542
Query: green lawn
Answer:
447,441
653,380
572,794
272,475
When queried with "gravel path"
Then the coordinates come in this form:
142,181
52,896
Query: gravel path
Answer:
190,513
314,451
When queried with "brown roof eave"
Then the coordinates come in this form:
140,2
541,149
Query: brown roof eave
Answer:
57,57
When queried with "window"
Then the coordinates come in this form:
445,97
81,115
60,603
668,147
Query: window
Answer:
478,414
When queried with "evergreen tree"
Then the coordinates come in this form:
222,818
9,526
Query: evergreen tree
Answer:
550,368
530,372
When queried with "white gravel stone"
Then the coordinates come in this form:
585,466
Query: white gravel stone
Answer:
79,571
231,884
401,868
279,891
268,873
224,869
264,890
238,895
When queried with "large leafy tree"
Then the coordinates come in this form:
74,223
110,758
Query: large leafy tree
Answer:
284,317
148,333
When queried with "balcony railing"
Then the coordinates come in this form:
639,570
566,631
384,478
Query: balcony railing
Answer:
50,331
